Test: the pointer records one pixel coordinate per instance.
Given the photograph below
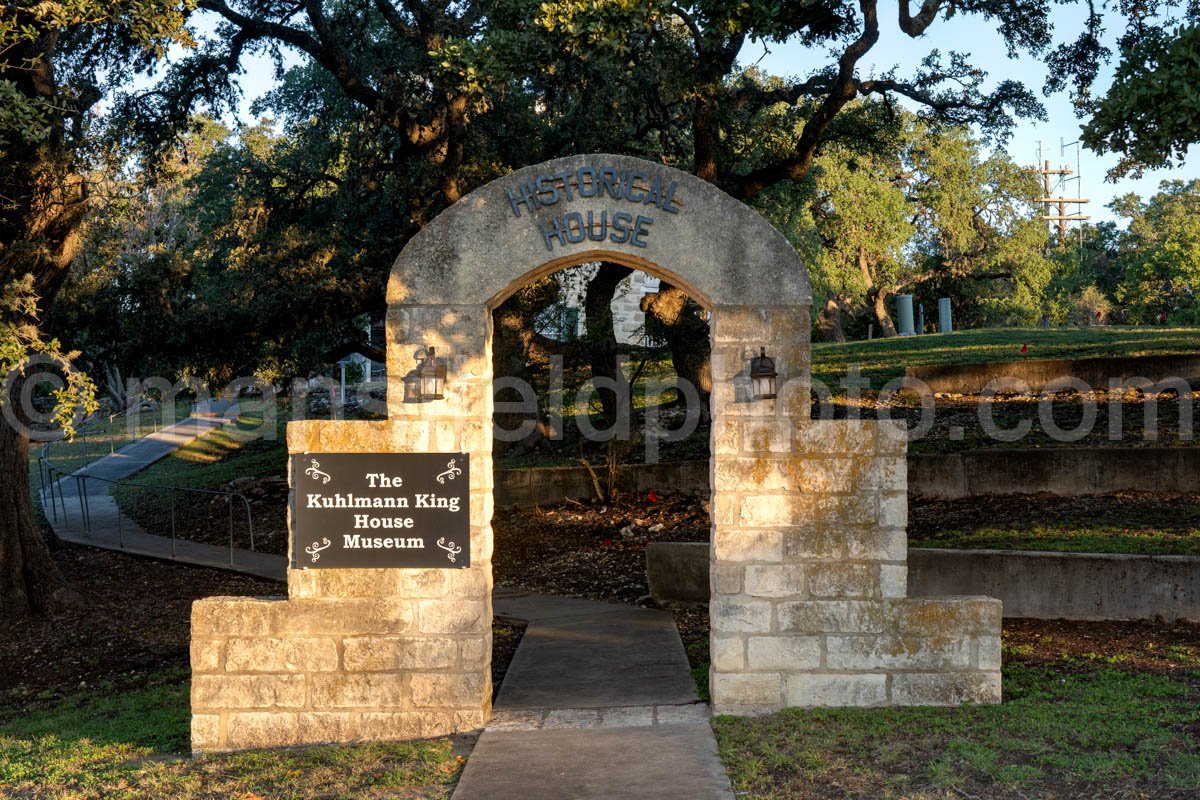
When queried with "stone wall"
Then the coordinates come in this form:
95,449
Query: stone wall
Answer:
1097,373
809,599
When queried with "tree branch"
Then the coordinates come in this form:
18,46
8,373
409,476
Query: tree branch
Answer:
915,26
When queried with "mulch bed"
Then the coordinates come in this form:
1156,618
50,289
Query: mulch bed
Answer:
135,626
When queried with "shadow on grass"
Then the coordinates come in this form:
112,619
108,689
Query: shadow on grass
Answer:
134,744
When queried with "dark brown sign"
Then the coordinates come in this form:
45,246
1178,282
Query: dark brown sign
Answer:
366,510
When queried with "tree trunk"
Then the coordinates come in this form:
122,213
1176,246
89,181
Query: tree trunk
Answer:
886,327
829,322
686,334
30,583
876,295
43,203
601,339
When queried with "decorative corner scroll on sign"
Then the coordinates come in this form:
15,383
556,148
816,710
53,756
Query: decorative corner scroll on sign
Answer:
451,549
316,474
315,549
451,473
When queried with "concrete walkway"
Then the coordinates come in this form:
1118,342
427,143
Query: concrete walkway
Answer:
85,513
598,704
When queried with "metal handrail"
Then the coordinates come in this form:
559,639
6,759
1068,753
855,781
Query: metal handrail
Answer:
85,509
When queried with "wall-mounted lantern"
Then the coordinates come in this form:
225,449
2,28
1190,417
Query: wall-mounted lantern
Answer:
427,381
763,375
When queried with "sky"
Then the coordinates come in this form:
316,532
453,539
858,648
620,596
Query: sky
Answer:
977,36
971,34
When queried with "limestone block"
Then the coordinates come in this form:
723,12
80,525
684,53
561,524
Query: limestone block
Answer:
726,506
379,654
358,690
820,475
760,437
452,616
276,654
783,652
831,616
893,580
871,543
259,729
885,474
247,691
987,653
893,510
327,726
476,653
727,579
345,616
897,652
728,653
945,688
739,324
809,689
775,580
383,726
754,692
808,543
237,616
840,580
206,732
749,474
733,614
726,437
738,546
207,655
946,616
447,690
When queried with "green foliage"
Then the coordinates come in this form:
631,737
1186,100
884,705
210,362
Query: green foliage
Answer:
1152,112
21,341
1161,257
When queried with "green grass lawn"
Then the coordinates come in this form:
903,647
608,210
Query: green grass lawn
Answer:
134,745
1057,734
883,359
1096,538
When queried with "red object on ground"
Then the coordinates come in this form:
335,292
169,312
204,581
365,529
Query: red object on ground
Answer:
607,543
652,497
1024,348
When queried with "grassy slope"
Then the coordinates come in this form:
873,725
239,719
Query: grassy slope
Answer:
883,359
133,744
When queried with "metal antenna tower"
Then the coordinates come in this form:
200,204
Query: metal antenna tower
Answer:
1055,206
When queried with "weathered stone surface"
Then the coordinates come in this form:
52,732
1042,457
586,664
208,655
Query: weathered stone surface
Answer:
831,616
809,689
382,654
261,729
737,615
363,690
897,652
784,580
746,692
783,652
841,580
945,688
452,616
206,732
247,691
447,690
272,654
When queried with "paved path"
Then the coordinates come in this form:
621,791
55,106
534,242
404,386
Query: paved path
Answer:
85,513
598,704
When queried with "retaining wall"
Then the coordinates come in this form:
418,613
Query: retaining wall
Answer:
1096,372
1067,471
1082,586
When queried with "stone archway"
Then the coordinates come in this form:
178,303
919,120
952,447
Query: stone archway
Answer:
808,555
